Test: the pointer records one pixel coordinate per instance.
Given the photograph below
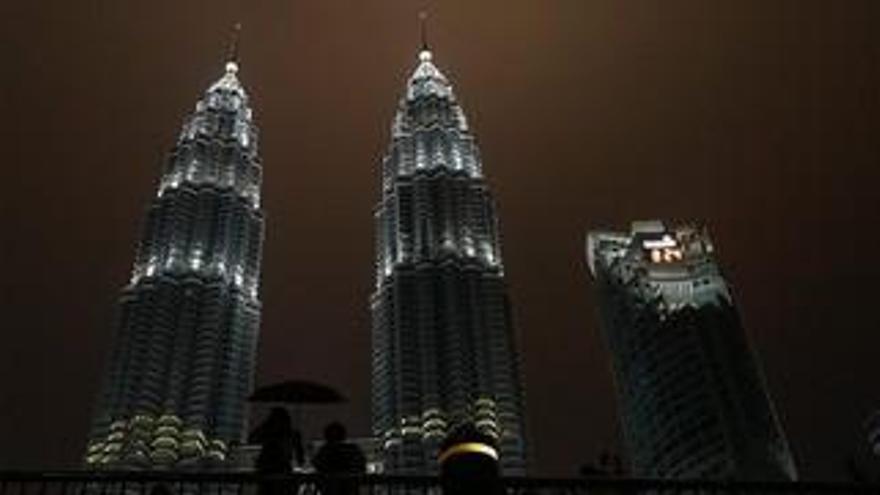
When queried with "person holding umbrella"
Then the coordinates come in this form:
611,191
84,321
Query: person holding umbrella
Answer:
279,442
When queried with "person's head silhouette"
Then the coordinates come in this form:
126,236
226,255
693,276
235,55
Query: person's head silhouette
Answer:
335,432
338,457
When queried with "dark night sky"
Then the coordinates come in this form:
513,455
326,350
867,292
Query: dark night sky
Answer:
760,118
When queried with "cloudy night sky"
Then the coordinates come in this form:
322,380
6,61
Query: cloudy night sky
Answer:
760,118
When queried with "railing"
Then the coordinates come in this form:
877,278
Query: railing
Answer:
161,483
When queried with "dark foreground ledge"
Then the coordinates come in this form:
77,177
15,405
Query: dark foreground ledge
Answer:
211,483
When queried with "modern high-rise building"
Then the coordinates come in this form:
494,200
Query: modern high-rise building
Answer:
444,351
182,362
691,395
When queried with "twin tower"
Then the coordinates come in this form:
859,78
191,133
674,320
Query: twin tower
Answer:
444,352
692,398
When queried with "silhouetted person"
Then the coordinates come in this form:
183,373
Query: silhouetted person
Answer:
279,442
469,462
339,458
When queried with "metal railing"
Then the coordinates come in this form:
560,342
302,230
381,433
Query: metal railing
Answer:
209,483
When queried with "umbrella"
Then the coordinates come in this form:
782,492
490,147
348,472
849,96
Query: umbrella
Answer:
297,392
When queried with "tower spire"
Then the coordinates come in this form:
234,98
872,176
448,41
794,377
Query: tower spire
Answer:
232,49
423,27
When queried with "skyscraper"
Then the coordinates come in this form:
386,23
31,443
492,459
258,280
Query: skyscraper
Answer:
183,356
691,395
444,351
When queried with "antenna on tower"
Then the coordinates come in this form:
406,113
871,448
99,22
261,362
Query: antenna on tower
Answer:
423,26
234,37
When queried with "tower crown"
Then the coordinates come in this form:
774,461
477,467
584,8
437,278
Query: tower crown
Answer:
217,144
216,155
229,83
432,124
427,79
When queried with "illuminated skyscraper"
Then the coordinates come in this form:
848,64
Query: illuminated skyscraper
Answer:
183,357
444,351
691,395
